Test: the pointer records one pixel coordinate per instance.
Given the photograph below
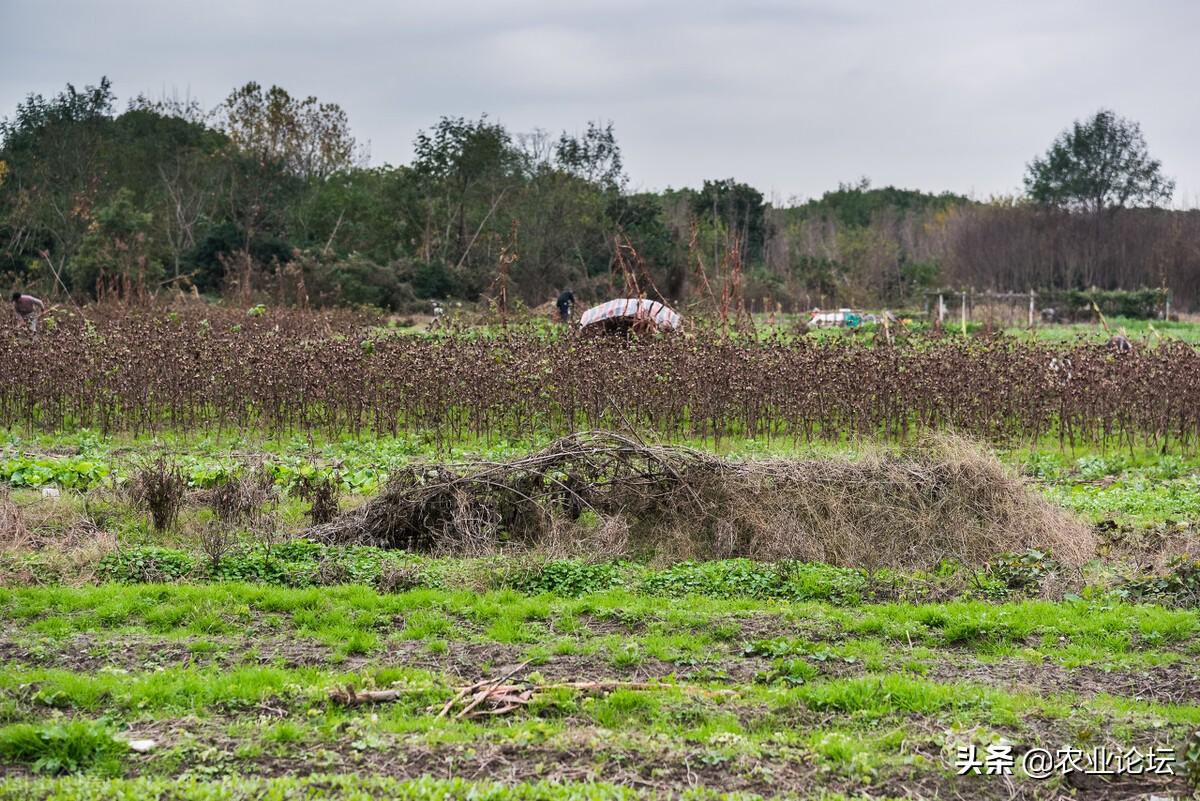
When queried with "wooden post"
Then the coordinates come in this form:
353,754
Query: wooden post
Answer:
964,313
941,310
1031,308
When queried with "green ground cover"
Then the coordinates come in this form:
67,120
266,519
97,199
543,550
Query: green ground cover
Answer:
135,664
760,696
1134,487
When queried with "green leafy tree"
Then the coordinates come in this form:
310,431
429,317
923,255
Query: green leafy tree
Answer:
560,205
286,148
177,167
1097,165
222,242
55,152
374,212
595,156
640,217
733,208
857,204
466,168
309,138
116,252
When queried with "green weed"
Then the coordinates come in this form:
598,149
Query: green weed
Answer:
62,747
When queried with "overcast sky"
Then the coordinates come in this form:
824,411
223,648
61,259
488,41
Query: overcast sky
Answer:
792,97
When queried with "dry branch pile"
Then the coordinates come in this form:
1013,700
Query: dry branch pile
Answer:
604,493
504,694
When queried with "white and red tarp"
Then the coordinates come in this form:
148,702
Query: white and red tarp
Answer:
633,308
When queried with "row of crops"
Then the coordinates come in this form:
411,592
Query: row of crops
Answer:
291,370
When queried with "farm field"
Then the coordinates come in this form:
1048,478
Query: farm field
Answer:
1149,332
1142,333
199,599
716,689
589,420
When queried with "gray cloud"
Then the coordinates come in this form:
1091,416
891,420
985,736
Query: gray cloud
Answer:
792,97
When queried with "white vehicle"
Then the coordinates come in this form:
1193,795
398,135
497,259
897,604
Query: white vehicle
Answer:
847,318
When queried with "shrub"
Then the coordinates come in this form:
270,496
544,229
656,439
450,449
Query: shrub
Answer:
159,487
241,498
321,492
216,540
1077,304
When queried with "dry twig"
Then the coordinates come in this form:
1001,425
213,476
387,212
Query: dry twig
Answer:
497,697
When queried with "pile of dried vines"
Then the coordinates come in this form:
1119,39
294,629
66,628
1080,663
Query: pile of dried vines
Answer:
606,493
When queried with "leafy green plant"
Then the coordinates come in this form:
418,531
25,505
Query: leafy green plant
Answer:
1191,759
293,474
205,474
792,659
1025,570
773,648
732,578
568,577
147,563
1093,468
296,563
255,565
724,579
74,473
1179,585
792,671
62,747
1041,466
1169,467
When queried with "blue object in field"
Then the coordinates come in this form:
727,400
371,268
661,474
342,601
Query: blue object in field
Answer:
853,320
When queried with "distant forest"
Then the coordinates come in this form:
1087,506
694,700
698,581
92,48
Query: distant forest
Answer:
271,193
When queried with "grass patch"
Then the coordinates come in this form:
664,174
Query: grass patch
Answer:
59,747
340,787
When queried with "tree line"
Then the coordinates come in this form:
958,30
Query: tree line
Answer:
270,192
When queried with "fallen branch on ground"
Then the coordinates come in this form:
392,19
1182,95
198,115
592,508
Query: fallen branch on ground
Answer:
496,697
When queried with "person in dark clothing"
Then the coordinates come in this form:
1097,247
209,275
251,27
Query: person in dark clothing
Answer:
29,308
1119,343
566,299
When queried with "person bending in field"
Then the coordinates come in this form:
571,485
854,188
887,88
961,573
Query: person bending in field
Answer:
566,299
29,308
1119,343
